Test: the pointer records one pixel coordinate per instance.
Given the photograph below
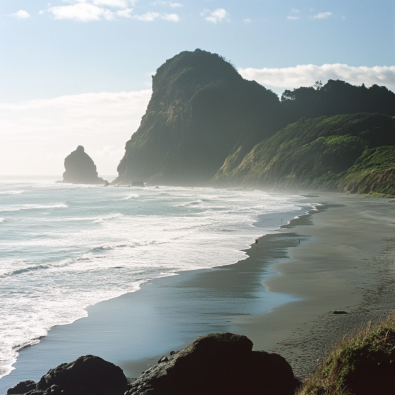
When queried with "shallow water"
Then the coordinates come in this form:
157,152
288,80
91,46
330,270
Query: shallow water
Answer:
65,247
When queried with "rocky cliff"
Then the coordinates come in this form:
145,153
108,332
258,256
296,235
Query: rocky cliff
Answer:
200,110
205,122
80,168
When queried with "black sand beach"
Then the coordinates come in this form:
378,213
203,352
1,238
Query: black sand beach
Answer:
344,261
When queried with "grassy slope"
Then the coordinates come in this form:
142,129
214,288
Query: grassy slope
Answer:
363,364
347,152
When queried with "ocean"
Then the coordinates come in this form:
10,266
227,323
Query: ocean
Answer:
66,247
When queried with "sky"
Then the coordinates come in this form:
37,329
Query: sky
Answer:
78,72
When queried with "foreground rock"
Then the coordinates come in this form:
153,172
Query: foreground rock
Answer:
215,364
88,375
80,168
22,387
218,364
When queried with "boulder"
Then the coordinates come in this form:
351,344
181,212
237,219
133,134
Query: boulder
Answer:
22,387
214,364
84,376
80,168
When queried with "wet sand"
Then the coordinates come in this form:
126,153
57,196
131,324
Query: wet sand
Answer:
344,261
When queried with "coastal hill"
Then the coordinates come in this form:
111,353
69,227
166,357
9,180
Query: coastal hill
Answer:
206,124
80,168
354,153
199,110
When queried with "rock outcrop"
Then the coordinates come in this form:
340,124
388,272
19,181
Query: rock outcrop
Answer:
88,375
22,387
215,364
80,168
200,109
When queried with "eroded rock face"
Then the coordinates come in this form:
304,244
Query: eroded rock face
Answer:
215,364
80,168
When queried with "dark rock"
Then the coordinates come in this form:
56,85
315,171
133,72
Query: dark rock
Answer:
35,392
339,312
86,375
22,387
217,364
80,168
138,184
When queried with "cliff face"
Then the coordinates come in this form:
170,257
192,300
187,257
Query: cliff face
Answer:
201,110
80,168
353,153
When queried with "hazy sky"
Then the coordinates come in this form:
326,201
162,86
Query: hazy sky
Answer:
79,71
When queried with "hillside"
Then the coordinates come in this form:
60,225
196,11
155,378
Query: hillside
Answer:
353,153
205,122
199,110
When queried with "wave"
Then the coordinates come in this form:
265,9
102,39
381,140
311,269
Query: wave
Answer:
132,196
11,192
1,220
108,217
34,207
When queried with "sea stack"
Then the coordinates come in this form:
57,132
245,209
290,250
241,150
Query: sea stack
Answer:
80,168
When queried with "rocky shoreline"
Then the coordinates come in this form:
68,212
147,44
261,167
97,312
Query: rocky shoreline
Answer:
221,363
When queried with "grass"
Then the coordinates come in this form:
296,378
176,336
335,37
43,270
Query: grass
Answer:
361,364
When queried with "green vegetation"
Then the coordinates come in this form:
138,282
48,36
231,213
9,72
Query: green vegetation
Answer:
205,122
354,153
362,364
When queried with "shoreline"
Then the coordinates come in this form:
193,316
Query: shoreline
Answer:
223,292
339,264
347,263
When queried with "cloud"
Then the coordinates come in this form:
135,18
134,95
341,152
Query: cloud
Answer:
171,17
21,14
152,16
111,3
216,16
125,13
247,20
93,10
292,17
306,75
37,135
148,17
322,15
167,3
82,12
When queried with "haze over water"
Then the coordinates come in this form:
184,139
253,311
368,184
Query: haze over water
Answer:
65,247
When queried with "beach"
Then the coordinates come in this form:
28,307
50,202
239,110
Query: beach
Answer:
339,257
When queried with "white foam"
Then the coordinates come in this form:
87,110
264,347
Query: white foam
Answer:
131,196
32,207
11,192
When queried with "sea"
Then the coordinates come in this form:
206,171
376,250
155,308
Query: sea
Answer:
66,247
